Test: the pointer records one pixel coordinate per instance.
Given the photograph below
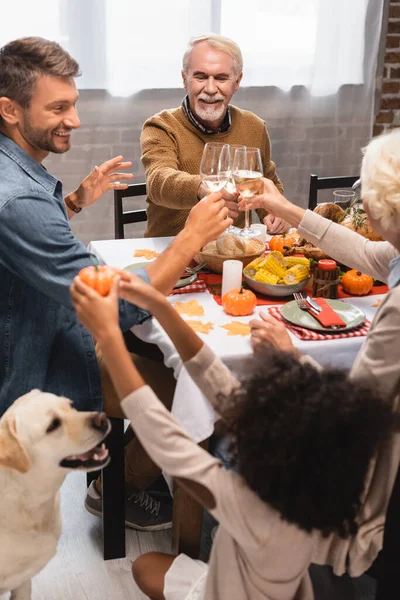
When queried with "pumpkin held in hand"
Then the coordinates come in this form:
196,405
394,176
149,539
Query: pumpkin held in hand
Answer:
278,242
357,283
239,303
98,277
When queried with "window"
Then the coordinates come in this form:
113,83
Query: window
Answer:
126,46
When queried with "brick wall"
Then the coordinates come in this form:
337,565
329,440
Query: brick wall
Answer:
309,135
389,110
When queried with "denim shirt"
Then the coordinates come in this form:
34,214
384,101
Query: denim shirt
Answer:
42,343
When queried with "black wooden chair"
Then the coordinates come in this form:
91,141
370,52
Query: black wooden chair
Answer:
122,218
326,183
113,476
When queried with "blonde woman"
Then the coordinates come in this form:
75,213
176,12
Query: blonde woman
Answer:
378,360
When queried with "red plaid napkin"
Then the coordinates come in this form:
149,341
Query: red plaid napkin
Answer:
309,334
195,287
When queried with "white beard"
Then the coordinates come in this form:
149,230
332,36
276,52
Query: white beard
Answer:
212,112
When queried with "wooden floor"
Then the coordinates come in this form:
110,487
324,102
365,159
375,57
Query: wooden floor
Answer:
78,571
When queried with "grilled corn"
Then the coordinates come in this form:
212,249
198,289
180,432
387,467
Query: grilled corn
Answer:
291,261
295,274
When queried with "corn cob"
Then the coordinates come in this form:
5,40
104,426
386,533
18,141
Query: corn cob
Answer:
266,276
290,261
274,263
295,274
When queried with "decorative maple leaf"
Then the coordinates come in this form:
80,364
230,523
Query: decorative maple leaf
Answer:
237,328
191,308
200,327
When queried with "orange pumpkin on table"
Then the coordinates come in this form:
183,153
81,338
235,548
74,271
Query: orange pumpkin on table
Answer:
278,242
357,283
239,303
98,277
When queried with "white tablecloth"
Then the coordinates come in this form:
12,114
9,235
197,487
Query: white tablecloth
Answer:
190,406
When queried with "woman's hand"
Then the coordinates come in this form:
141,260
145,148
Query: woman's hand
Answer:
270,331
99,314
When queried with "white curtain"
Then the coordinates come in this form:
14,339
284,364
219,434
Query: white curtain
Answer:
126,46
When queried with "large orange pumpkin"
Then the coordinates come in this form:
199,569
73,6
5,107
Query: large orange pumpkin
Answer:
98,277
278,242
239,303
357,283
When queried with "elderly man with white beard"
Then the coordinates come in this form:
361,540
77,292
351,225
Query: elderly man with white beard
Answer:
173,140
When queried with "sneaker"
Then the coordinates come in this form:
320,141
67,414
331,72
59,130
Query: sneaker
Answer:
160,491
142,511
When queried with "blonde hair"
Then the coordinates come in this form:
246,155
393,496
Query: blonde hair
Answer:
380,179
219,42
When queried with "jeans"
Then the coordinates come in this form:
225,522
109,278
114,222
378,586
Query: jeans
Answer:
218,447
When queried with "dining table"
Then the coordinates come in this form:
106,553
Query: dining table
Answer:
190,406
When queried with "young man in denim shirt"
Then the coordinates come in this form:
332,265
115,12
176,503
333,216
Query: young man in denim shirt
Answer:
42,344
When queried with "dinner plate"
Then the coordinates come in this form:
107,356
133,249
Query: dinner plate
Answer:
351,315
183,282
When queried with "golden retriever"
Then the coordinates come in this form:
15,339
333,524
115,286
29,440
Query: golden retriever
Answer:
42,438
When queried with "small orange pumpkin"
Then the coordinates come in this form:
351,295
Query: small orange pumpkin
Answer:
357,283
278,242
98,277
239,303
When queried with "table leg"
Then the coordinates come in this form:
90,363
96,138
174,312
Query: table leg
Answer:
187,521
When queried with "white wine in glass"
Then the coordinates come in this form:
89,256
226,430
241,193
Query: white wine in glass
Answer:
247,172
215,168
230,186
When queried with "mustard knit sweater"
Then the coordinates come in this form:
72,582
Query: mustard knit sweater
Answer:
171,154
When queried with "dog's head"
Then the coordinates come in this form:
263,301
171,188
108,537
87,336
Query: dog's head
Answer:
43,429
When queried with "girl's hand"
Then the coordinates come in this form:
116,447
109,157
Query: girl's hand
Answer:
99,314
270,331
136,291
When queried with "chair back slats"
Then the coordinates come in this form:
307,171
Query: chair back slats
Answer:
326,183
122,218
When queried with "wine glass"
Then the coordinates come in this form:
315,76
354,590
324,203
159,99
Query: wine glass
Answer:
230,185
247,172
215,166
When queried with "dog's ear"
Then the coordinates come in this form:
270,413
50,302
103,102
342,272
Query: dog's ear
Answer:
12,453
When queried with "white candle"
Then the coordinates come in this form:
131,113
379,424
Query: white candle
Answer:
231,276
261,231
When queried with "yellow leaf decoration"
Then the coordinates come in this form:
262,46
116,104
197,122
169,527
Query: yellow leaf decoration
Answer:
191,308
237,328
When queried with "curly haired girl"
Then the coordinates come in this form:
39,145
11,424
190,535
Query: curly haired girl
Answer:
303,440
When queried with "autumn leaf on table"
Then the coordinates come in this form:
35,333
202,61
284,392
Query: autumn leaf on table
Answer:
191,308
145,253
200,327
377,303
237,328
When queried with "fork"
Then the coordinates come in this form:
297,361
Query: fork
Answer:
310,301
303,304
195,269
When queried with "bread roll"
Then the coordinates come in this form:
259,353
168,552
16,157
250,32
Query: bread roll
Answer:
253,246
330,211
210,248
231,245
